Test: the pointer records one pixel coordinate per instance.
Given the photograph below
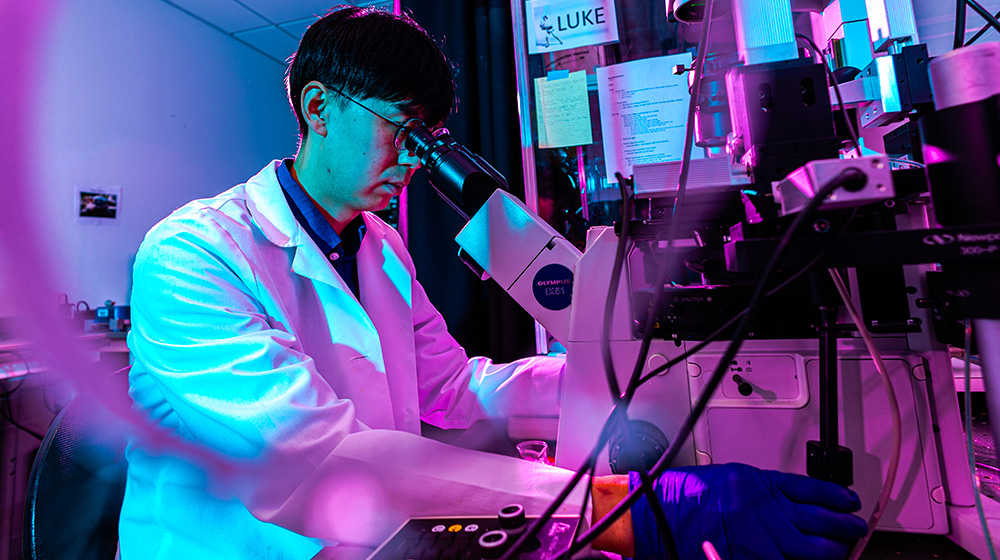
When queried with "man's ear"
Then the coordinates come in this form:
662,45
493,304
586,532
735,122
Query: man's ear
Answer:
315,102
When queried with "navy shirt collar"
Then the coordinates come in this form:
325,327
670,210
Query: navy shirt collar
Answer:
336,247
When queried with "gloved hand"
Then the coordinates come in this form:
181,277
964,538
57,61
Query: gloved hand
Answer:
747,512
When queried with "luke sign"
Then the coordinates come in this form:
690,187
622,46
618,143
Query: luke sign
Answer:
555,25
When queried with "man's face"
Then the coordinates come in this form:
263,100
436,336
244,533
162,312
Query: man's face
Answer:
360,167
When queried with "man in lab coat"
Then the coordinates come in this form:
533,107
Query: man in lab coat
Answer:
281,326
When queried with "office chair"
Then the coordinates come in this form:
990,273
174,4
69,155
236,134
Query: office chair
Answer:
76,487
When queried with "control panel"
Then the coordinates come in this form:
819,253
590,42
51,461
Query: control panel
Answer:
476,538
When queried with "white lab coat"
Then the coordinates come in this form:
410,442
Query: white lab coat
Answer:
247,342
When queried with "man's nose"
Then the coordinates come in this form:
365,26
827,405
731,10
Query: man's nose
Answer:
409,159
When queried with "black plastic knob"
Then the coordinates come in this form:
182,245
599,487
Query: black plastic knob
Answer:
493,543
743,386
511,517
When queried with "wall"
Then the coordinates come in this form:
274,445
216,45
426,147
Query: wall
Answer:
936,24
137,95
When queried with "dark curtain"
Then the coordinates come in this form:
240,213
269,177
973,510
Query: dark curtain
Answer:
476,36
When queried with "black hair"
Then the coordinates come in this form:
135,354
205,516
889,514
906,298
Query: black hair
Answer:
370,53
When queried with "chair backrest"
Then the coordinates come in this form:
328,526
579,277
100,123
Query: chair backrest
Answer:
76,487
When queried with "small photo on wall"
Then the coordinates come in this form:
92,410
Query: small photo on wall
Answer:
98,203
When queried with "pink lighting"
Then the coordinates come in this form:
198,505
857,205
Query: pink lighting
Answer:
934,154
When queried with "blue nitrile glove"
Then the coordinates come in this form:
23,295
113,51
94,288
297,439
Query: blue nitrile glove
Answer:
746,513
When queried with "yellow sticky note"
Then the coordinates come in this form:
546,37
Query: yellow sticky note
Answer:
562,108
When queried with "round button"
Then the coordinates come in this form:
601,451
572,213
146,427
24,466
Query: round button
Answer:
438,529
454,528
694,370
511,517
334,256
743,386
492,544
655,361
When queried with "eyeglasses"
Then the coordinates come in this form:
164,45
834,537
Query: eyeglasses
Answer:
402,128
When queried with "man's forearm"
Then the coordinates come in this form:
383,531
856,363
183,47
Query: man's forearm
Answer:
607,492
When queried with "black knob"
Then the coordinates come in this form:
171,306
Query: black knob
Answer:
511,517
493,543
743,386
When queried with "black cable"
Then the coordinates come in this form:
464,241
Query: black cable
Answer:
7,394
9,416
658,511
711,338
578,475
836,90
619,416
688,425
537,525
587,467
581,519
698,70
663,527
990,19
609,302
719,372
27,372
7,411
718,332
959,24
717,375
619,412
635,380
609,369
621,402
982,31
625,399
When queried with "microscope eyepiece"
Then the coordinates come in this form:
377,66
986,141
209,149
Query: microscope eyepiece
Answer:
463,178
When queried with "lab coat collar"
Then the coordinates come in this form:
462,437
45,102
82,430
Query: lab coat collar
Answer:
270,212
385,276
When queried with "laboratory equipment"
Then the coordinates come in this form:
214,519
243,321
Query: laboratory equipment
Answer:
803,392
475,538
534,450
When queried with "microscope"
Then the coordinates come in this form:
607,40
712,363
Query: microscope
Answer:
859,271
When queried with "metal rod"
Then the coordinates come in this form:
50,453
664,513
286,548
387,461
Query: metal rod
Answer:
828,429
982,31
959,23
985,14
581,179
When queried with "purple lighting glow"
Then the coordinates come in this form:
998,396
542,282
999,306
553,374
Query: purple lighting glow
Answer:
933,154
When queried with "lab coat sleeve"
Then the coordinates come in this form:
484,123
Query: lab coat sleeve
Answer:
456,391
382,477
211,367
